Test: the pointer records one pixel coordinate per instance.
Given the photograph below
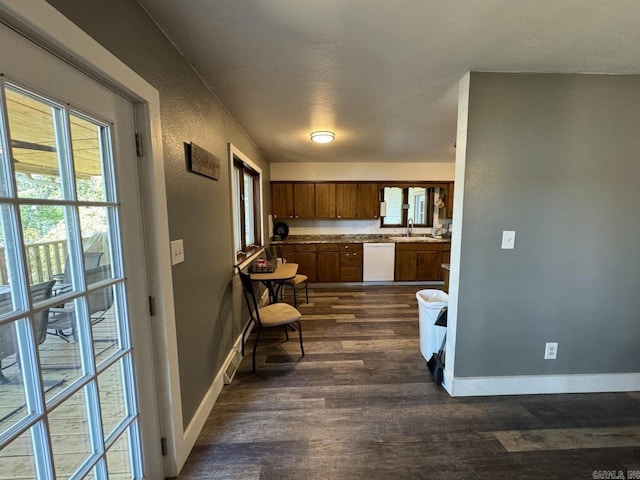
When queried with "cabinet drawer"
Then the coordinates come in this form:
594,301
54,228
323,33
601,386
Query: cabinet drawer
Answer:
351,247
350,259
328,247
299,247
339,247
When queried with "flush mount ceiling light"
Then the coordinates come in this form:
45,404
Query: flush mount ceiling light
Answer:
323,136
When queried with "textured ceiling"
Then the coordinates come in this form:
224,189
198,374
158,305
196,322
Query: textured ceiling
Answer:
382,74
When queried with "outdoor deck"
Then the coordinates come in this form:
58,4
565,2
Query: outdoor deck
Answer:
61,364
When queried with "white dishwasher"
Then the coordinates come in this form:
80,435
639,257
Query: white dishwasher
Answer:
378,262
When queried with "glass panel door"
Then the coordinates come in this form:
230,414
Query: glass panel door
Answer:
68,404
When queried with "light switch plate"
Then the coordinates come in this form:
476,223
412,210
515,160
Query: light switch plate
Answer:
508,239
177,252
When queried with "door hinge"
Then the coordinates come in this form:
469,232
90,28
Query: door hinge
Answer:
139,149
163,446
152,306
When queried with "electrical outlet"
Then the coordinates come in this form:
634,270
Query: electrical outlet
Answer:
551,351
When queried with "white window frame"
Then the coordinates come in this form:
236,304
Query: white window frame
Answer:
236,153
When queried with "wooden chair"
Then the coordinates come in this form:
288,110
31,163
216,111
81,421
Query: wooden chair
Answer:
271,316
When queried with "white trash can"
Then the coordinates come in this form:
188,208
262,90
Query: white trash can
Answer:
430,302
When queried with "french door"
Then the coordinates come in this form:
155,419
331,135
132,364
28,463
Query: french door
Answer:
73,319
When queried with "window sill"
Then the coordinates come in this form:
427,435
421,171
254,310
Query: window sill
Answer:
252,256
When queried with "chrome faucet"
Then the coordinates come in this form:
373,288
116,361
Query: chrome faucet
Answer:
409,227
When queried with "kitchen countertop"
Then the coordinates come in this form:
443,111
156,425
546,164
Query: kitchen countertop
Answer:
359,239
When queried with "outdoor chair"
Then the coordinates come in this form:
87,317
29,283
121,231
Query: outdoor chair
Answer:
63,318
8,337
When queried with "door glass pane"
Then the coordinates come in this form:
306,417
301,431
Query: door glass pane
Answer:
94,226
417,205
393,199
119,458
106,340
35,145
17,460
70,437
13,400
8,260
112,398
86,144
60,355
45,236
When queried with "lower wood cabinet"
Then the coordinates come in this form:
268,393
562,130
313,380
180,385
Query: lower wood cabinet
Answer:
351,263
418,261
342,262
331,262
305,256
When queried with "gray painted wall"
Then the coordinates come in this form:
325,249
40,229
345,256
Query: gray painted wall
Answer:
556,158
207,306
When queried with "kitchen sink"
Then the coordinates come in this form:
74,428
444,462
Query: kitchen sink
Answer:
417,239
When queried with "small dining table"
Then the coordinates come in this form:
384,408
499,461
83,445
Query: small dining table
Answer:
272,280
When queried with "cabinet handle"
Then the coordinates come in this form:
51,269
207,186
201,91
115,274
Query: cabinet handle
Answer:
338,216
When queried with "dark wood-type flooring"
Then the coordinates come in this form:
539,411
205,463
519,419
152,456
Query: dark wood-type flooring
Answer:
361,405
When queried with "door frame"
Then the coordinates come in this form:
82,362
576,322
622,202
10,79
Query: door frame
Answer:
42,23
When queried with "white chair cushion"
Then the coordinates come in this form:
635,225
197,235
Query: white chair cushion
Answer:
278,314
297,280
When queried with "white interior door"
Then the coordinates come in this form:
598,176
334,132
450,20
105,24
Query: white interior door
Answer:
75,343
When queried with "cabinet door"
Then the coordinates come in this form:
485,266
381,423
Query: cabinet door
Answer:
368,203
328,266
346,200
406,266
449,201
307,264
304,201
282,200
325,200
288,253
429,266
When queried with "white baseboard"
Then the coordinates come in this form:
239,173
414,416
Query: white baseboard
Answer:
534,384
194,428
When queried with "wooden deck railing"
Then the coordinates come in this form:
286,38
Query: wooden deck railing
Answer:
45,260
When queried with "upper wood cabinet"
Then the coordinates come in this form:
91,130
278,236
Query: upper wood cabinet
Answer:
292,200
368,200
449,201
346,195
338,200
282,200
325,200
303,200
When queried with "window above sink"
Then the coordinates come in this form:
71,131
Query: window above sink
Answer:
412,202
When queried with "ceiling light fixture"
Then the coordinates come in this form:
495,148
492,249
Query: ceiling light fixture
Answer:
323,136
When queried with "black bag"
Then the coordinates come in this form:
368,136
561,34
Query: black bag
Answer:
436,363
